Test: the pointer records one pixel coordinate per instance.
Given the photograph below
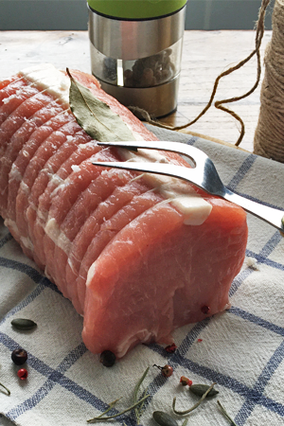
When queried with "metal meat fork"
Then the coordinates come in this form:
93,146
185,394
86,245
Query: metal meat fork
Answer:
203,174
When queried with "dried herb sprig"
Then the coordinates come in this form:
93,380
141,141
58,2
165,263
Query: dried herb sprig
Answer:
111,405
139,408
101,418
137,403
135,396
224,412
182,413
6,390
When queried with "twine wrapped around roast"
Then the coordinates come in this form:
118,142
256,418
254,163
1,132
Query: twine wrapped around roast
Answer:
269,134
142,114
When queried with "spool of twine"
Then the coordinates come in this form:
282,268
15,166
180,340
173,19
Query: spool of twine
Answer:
269,134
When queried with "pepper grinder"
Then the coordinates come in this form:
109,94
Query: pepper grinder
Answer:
136,48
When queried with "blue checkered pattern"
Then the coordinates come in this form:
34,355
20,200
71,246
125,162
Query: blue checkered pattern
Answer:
242,350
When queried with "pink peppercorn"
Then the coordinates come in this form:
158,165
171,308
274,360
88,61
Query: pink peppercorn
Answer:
171,348
185,381
22,374
166,371
205,309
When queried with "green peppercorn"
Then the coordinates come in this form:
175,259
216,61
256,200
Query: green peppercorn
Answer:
199,390
164,419
23,324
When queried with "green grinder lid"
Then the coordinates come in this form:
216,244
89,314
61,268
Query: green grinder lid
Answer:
136,9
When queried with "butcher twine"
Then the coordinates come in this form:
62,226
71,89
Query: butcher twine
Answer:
269,134
144,115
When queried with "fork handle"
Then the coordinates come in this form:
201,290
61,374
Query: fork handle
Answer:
274,217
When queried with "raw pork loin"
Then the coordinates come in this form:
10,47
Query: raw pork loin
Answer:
137,255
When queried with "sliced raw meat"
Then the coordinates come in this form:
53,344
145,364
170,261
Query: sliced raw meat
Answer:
18,140
138,255
100,199
162,274
47,181
24,157
131,201
8,96
81,151
66,196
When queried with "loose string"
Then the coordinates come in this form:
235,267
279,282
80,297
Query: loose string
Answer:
260,27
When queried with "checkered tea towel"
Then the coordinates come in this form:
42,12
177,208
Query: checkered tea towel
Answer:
242,350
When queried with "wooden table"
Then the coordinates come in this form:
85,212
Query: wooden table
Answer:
205,55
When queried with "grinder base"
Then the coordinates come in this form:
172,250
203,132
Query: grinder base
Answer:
158,101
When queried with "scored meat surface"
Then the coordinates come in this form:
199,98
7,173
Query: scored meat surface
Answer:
137,255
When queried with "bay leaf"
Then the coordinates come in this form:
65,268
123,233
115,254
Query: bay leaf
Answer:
95,116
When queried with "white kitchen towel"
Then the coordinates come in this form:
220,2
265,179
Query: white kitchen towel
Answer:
242,349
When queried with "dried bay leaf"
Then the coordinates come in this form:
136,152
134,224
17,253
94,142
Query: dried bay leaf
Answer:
95,116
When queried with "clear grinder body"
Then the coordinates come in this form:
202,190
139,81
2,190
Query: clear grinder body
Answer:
136,49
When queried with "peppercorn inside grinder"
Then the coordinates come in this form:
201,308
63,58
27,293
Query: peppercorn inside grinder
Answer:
136,49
